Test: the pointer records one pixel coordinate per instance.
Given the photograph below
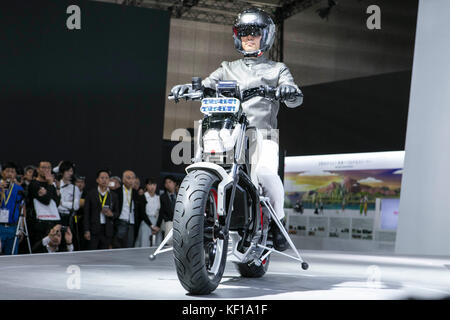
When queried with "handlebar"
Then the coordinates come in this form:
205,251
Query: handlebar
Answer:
196,95
261,91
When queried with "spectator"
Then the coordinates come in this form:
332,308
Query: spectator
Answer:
29,174
53,243
81,184
44,200
137,186
70,195
168,200
132,210
19,176
137,183
152,210
100,210
115,183
11,195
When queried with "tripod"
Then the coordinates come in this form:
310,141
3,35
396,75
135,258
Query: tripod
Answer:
18,231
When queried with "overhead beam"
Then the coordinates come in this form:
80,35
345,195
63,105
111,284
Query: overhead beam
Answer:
218,11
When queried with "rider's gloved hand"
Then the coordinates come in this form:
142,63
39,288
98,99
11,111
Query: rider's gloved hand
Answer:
178,90
286,92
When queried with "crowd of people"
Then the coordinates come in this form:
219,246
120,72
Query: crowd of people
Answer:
46,210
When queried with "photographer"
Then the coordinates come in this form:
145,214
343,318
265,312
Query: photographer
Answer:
44,199
53,241
70,195
11,194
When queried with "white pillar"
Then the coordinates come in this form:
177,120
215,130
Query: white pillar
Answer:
424,220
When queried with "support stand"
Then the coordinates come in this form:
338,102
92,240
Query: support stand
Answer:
160,248
21,221
265,201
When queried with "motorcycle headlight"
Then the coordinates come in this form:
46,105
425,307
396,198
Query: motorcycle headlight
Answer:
212,143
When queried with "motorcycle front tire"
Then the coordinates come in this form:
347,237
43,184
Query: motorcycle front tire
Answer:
188,234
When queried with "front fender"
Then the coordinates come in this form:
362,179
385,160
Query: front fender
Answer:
225,178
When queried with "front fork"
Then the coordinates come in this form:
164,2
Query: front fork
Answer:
235,170
226,180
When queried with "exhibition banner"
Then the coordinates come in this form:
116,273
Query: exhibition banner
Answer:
342,196
345,182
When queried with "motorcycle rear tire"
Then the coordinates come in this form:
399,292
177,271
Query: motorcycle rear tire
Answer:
253,271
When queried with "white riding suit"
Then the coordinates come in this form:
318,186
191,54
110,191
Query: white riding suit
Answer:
251,72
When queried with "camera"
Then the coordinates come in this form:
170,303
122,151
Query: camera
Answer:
8,183
65,221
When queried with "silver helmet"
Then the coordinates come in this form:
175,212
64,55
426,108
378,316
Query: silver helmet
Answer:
254,22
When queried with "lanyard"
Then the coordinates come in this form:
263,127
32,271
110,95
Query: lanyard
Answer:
128,198
9,195
104,199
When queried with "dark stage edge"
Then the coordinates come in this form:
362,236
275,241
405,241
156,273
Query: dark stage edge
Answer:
128,274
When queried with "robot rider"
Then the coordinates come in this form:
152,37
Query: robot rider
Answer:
254,33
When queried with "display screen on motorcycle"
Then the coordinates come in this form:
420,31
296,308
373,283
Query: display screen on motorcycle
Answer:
219,105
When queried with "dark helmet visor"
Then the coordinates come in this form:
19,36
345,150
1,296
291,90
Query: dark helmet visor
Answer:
246,30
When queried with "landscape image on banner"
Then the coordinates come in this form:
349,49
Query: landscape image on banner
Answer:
346,191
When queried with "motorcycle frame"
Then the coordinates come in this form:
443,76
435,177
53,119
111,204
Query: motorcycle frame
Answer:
236,176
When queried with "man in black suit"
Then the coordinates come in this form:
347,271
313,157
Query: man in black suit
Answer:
100,209
131,212
168,200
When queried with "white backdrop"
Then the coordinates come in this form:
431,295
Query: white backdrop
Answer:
424,220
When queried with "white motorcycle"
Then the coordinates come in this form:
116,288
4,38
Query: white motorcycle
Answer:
220,198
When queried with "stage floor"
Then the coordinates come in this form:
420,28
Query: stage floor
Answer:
128,274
